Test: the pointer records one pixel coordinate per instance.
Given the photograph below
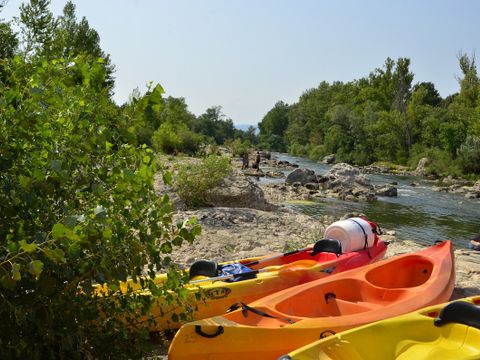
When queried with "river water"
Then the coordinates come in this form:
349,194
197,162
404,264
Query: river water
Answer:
418,213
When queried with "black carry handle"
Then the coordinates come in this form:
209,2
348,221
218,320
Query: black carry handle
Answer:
245,308
199,331
460,312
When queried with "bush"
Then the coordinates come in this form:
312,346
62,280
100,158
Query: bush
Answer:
77,207
238,147
469,155
441,163
194,180
166,139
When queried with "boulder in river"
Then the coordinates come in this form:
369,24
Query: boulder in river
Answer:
345,181
329,159
386,190
302,176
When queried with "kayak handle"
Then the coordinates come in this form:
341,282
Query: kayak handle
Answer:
326,333
199,331
460,312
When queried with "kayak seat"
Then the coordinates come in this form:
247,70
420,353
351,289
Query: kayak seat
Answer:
327,245
202,267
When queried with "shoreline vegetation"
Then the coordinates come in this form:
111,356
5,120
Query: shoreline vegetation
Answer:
86,198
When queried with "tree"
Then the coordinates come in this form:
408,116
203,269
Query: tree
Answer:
273,127
431,96
470,83
73,38
8,41
37,26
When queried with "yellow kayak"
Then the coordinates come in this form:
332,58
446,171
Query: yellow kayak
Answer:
446,332
211,295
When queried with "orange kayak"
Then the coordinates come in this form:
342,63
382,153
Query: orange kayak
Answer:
289,319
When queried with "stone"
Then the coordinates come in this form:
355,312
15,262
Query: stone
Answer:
311,186
301,175
238,191
329,159
386,190
422,166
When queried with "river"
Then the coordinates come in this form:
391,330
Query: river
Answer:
418,213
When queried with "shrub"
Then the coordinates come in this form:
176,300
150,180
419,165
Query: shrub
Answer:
166,139
238,147
194,180
469,155
77,207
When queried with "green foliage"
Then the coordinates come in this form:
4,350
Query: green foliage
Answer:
77,207
194,180
8,41
441,162
273,127
37,26
469,155
379,118
171,139
238,147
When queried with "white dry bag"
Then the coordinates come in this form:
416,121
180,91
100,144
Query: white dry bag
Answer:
353,234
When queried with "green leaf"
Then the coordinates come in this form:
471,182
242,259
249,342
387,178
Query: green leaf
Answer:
74,250
28,248
24,181
56,255
35,268
128,174
16,275
58,231
167,178
56,165
107,233
166,248
108,146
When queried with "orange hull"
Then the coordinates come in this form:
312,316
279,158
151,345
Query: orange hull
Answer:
304,313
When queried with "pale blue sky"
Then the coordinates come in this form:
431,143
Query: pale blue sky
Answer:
245,55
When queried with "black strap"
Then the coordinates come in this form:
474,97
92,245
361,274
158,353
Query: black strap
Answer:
199,331
365,237
245,309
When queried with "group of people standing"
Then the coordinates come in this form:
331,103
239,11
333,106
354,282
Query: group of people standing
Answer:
255,164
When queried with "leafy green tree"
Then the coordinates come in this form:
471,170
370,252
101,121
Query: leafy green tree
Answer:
431,96
214,125
273,127
470,83
37,27
8,41
73,38
77,207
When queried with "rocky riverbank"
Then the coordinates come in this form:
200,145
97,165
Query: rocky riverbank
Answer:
260,224
263,224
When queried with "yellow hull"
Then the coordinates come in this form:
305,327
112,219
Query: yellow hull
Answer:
408,337
209,298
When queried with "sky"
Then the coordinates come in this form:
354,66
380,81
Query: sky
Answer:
245,55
